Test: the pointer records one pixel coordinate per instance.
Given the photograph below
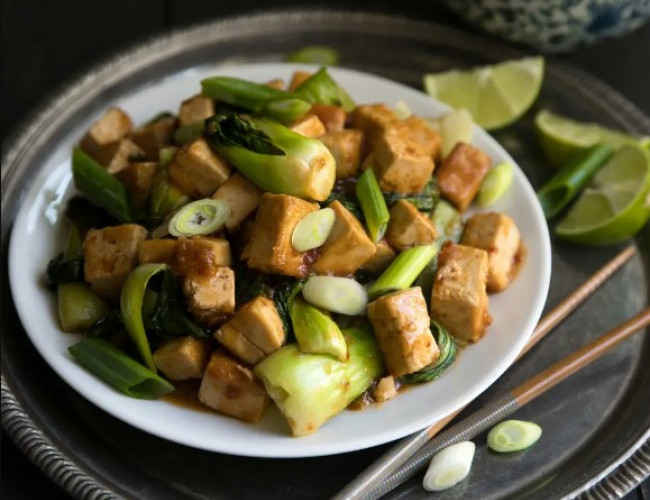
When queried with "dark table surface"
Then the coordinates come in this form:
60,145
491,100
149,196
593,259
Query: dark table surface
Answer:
45,44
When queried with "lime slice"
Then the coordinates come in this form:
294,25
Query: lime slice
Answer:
495,95
616,205
562,138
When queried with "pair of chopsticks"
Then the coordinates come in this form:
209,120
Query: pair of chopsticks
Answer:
413,453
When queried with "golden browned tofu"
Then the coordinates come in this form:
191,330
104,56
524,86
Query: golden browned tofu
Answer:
400,164
403,331
309,126
241,195
385,389
459,300
194,109
182,358
200,255
408,227
276,83
348,246
138,178
497,234
254,332
461,174
159,251
373,120
333,117
116,156
232,389
111,127
110,254
417,130
297,78
210,297
197,171
382,258
269,249
345,147
151,138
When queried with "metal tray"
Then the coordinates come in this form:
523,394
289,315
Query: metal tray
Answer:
596,425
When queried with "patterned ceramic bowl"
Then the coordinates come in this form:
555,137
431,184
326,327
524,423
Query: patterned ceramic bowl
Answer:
553,25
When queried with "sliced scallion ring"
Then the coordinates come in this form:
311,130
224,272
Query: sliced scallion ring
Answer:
313,229
513,435
339,295
449,467
199,217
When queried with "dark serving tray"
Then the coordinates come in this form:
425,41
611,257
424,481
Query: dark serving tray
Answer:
596,425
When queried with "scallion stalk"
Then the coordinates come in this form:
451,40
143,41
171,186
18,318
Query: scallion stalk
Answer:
569,181
372,204
403,271
122,372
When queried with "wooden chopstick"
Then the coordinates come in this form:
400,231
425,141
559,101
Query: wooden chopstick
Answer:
406,447
512,401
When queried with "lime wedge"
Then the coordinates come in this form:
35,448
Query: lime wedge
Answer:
617,203
495,95
562,138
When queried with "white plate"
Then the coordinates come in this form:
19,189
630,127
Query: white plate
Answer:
37,237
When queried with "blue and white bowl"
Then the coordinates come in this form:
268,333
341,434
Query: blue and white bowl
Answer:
553,25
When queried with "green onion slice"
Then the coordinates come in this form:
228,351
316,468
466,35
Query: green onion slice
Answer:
449,467
313,229
199,217
315,54
372,204
495,184
339,295
124,373
513,435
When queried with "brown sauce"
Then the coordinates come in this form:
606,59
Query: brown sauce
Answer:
518,261
186,395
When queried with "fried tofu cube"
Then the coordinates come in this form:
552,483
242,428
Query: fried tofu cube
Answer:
417,130
241,195
400,164
309,126
333,117
345,147
297,79
200,255
276,83
384,255
197,171
110,254
497,234
158,251
269,249
194,109
459,300
117,155
348,246
403,331
254,332
408,227
232,389
385,389
138,178
114,125
151,138
373,120
210,297
182,358
461,174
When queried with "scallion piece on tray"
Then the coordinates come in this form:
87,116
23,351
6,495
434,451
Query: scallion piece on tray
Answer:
564,186
315,54
450,466
313,229
403,271
122,372
372,204
339,295
131,300
100,186
315,331
513,435
199,217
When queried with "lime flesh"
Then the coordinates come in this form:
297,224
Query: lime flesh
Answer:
495,95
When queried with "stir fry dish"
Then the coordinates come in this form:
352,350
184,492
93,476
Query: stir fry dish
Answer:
272,244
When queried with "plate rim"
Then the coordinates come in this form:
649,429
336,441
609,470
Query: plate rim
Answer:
18,423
